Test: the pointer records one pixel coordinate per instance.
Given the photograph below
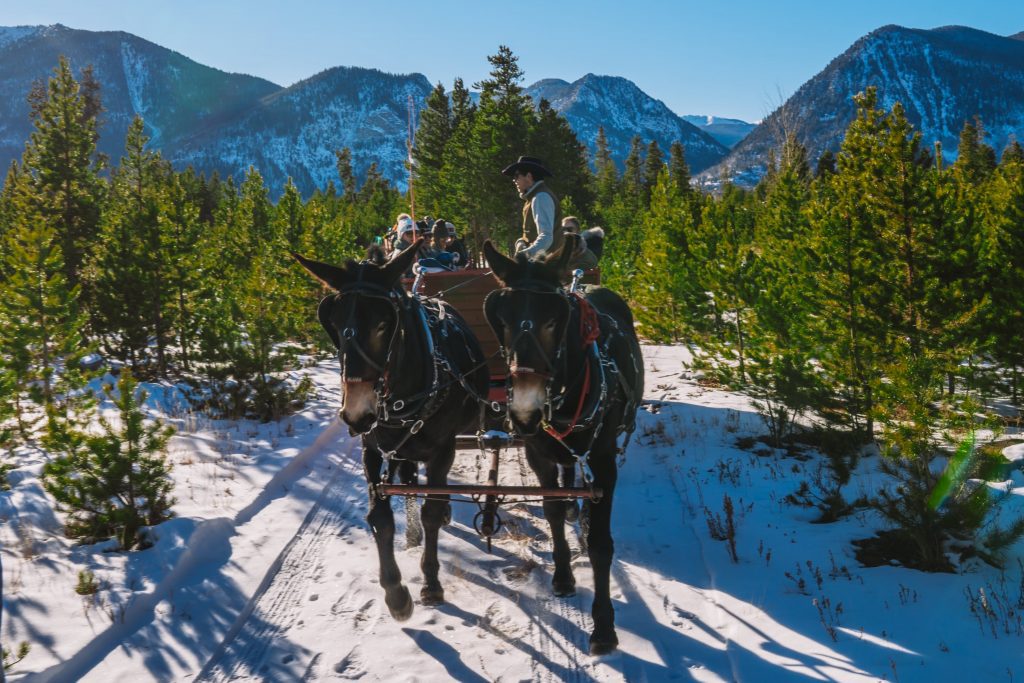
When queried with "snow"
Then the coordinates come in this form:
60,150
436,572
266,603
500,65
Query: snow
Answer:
270,573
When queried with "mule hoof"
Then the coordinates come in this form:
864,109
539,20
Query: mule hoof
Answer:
564,589
603,645
431,597
399,603
572,512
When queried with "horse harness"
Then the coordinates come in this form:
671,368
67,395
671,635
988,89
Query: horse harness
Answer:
434,323
590,407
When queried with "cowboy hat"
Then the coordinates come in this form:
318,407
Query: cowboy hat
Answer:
527,165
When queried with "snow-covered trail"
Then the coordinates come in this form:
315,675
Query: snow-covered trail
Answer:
321,616
283,586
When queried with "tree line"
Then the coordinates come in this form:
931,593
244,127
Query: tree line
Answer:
878,289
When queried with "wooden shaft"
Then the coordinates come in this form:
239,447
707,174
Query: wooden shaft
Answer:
475,489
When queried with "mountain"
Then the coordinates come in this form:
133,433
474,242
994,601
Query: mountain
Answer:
295,132
625,110
943,77
727,131
175,95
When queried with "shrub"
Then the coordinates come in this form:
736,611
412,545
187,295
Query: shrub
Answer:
115,482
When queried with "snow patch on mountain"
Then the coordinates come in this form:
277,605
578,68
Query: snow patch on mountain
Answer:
12,34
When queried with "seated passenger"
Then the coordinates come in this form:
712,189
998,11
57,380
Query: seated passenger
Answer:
590,246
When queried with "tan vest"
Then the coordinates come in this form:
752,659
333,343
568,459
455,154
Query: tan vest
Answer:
530,224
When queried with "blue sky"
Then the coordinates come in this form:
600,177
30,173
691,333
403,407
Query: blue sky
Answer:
736,59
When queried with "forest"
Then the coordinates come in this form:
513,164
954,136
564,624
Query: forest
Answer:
869,299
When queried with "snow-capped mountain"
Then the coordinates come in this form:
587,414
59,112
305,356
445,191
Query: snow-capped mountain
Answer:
296,131
175,95
624,110
943,77
727,131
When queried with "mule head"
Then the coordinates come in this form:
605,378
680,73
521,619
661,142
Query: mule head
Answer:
362,319
529,316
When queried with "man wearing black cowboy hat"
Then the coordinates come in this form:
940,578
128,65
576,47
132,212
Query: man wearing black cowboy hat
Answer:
542,231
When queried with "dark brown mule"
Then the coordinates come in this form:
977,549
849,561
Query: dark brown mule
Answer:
411,374
575,381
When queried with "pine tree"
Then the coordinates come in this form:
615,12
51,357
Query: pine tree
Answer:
852,337
1001,253
678,169
607,176
633,176
553,140
41,341
725,251
501,124
346,173
289,219
782,376
432,135
115,482
60,158
661,281
182,228
654,162
129,267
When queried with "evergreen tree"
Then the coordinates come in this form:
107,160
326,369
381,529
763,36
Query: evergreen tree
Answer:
678,169
41,341
115,482
432,135
182,229
851,334
782,376
553,140
1001,250
826,164
60,159
653,163
633,176
607,176
129,265
725,251
289,219
346,173
975,160
501,124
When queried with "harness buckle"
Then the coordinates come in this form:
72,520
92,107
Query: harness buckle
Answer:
417,426
398,405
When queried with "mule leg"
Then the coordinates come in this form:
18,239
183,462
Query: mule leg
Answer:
382,523
601,548
435,510
563,583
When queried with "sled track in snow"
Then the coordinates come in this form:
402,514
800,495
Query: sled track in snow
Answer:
559,628
273,609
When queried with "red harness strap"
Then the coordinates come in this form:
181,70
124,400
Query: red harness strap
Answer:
590,330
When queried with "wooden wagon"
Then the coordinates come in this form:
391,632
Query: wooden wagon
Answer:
466,290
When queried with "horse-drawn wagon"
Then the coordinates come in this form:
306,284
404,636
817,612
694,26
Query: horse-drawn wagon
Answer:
423,364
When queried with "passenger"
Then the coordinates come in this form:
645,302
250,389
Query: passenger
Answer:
542,232
434,254
585,257
406,231
456,246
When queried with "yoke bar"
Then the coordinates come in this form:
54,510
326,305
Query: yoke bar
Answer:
474,489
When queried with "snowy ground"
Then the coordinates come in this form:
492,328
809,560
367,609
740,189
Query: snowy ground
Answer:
269,572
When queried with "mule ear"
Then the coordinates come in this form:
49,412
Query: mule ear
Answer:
569,248
491,302
397,266
332,276
323,314
500,264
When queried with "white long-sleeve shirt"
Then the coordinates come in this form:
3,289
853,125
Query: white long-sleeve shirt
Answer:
543,208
